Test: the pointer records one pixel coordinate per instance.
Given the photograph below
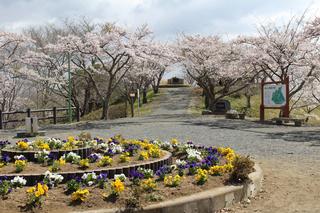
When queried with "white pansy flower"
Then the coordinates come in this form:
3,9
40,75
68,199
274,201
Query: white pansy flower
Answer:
18,181
121,177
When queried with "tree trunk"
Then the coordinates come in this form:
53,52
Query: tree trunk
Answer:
156,82
105,108
155,89
87,97
248,97
211,104
210,100
132,108
206,101
144,96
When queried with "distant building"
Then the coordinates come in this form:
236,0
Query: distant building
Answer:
175,80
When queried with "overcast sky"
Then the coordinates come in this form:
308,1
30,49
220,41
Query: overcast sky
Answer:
166,17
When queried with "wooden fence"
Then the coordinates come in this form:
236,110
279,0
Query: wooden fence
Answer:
53,115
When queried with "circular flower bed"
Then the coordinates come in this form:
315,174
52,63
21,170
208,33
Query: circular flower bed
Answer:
54,146
194,169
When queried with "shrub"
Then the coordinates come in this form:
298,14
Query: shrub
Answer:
72,186
117,187
172,181
84,163
143,155
56,165
242,167
149,185
37,194
201,177
20,165
125,157
5,188
80,195
104,161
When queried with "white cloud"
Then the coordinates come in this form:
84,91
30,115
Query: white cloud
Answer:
166,17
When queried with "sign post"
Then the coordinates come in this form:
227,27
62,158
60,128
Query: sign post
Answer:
275,95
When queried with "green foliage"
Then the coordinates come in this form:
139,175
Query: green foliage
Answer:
5,188
72,186
153,197
134,200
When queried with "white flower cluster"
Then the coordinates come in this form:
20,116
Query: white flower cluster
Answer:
71,157
148,173
193,154
89,178
186,146
166,145
52,179
92,143
121,177
181,162
115,148
103,146
54,142
42,156
18,181
19,157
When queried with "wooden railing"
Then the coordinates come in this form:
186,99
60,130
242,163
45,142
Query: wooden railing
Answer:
28,113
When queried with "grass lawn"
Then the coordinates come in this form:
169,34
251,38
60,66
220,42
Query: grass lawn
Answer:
118,110
239,102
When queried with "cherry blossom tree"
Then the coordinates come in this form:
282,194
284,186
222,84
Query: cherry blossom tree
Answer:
285,51
51,66
10,89
103,56
214,65
11,46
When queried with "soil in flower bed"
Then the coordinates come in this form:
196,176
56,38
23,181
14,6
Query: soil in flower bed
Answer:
57,201
37,168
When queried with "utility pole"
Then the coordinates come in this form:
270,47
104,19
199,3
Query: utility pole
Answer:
69,89
138,93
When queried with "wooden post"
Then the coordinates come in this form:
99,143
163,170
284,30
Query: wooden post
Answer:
54,114
28,112
1,124
286,109
262,104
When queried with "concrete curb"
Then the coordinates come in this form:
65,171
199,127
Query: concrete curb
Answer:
206,201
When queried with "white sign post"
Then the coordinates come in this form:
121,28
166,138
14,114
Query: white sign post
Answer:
275,95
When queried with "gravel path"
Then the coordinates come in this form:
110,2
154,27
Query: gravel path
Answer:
289,156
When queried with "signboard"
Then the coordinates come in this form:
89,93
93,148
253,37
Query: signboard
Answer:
274,95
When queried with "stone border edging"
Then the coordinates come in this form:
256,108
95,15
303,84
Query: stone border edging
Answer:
111,171
203,202
29,154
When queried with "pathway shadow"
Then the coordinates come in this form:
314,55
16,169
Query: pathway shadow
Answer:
90,125
230,124
297,136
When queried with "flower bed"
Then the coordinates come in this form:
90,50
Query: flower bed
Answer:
56,147
112,156
195,168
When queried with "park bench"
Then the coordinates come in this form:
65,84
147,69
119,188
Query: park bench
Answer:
296,121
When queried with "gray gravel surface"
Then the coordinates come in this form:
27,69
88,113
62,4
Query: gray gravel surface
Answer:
169,120
289,156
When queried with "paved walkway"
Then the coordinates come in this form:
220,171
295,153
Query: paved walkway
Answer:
290,156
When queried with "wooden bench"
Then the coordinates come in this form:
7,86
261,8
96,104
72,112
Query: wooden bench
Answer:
296,121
